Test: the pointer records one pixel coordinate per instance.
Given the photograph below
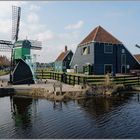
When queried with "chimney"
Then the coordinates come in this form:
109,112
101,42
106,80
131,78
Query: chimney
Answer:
66,48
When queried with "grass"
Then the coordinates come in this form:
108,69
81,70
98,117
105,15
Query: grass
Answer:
3,72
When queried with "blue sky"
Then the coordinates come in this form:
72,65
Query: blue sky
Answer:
61,23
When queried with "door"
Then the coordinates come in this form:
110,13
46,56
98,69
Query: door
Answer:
123,69
123,63
76,68
108,68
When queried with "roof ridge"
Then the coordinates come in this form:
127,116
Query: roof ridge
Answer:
99,34
62,55
96,32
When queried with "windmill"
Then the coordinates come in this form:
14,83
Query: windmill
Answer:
137,46
22,70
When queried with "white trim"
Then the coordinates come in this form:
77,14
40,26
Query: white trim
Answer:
108,65
66,54
121,59
73,57
99,43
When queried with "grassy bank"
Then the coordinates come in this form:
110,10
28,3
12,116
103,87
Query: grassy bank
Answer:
3,72
88,92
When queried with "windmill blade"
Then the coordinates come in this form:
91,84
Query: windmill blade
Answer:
137,46
36,45
16,12
6,46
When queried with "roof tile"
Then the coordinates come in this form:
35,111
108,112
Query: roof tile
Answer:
100,35
61,56
137,56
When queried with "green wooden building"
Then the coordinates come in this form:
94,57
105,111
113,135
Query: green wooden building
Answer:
62,63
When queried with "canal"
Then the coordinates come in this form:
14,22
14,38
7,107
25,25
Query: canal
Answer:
92,118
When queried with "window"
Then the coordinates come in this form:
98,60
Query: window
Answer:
128,66
86,50
123,51
108,48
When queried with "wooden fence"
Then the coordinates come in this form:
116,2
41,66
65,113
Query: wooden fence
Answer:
73,79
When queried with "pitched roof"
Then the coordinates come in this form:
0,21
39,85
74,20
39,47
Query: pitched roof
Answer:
62,56
100,35
137,56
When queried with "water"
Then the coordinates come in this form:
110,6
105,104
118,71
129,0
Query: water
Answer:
92,118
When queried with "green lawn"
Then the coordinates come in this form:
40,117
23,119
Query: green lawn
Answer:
3,72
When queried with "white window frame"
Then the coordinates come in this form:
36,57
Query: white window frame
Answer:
87,49
121,59
106,45
107,65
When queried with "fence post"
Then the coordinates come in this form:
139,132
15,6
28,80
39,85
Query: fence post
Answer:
138,79
50,75
78,80
42,73
69,79
124,80
84,78
74,80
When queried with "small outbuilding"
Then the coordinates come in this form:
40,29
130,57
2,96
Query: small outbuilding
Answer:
62,63
101,53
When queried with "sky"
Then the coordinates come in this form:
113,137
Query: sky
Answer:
60,23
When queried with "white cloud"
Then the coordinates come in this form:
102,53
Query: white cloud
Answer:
5,26
78,25
34,7
34,28
45,36
32,17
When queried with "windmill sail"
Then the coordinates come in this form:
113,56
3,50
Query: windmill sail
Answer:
5,45
36,45
137,46
16,12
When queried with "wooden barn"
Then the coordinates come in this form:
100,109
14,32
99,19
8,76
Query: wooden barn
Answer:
62,63
100,52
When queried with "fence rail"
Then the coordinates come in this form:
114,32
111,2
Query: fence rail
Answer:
73,79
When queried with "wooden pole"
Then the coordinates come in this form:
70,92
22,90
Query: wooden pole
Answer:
69,79
78,80
42,73
74,80
138,79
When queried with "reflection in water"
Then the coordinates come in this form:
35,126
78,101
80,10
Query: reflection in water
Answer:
21,110
57,105
90,118
100,105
